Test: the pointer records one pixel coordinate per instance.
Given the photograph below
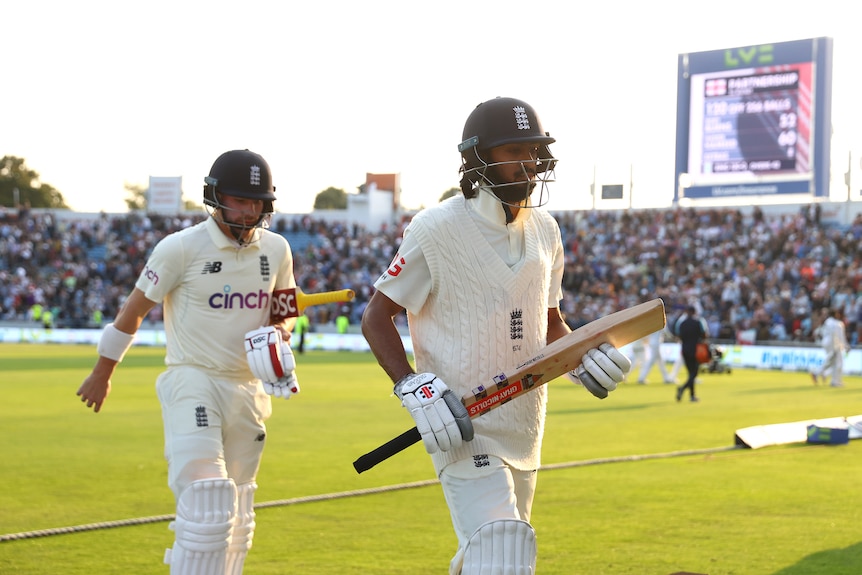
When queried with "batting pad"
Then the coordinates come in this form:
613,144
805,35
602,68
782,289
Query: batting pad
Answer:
501,547
205,513
242,533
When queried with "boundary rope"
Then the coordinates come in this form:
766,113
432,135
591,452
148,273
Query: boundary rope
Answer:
345,494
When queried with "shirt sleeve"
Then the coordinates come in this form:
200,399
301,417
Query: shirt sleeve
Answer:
164,269
407,281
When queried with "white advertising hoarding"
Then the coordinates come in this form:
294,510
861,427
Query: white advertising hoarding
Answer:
164,195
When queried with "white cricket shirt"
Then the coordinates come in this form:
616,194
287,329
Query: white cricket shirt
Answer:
214,291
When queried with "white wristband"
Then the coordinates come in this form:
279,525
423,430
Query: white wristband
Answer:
114,343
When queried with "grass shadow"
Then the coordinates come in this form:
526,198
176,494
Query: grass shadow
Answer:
844,561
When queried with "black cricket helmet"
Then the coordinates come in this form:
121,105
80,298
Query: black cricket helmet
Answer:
495,123
243,174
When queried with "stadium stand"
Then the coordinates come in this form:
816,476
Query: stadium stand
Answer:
765,278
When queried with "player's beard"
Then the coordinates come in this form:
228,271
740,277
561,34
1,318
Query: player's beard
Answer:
513,193
240,228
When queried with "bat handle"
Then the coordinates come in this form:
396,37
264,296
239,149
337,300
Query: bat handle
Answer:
310,299
387,450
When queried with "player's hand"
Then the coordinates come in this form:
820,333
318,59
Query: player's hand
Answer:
440,417
601,370
271,361
94,391
287,385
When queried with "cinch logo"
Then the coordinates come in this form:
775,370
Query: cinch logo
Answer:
227,300
151,275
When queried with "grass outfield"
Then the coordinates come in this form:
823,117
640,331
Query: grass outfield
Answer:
789,510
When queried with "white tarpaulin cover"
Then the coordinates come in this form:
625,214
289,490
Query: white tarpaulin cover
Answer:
794,432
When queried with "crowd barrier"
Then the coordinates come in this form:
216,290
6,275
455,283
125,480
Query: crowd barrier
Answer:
776,357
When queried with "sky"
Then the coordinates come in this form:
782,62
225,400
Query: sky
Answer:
100,94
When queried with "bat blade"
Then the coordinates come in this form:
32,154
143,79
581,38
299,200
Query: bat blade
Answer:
564,354
555,359
291,302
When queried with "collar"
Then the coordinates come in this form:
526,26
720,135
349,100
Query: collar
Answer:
486,206
223,241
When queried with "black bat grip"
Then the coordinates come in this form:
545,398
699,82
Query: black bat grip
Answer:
387,450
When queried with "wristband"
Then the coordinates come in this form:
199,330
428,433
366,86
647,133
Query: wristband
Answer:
396,389
114,343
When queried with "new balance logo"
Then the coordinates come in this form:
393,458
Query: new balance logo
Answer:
211,268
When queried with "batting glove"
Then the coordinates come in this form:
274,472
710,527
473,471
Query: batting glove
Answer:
287,385
440,417
601,370
271,360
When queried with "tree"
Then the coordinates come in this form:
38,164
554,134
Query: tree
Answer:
449,193
136,200
191,205
331,199
19,184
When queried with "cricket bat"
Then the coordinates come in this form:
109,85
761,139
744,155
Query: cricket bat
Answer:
554,360
292,302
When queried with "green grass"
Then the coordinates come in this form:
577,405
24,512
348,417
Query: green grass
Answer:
788,510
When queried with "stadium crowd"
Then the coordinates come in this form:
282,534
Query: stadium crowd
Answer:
772,278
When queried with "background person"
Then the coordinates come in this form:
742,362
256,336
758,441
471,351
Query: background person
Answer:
480,277
833,340
692,330
215,281
637,352
653,357
342,321
672,331
302,327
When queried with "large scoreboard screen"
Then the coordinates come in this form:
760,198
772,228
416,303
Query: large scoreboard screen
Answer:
754,121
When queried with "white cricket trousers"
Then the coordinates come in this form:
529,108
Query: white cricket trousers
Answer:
482,489
214,427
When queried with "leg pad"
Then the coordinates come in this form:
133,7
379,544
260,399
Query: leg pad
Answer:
501,547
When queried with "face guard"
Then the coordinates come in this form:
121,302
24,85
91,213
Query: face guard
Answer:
234,220
513,189
496,123
240,174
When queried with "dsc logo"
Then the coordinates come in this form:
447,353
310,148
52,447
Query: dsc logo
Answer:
284,304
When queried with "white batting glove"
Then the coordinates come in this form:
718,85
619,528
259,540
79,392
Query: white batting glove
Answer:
602,370
440,417
271,361
287,385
